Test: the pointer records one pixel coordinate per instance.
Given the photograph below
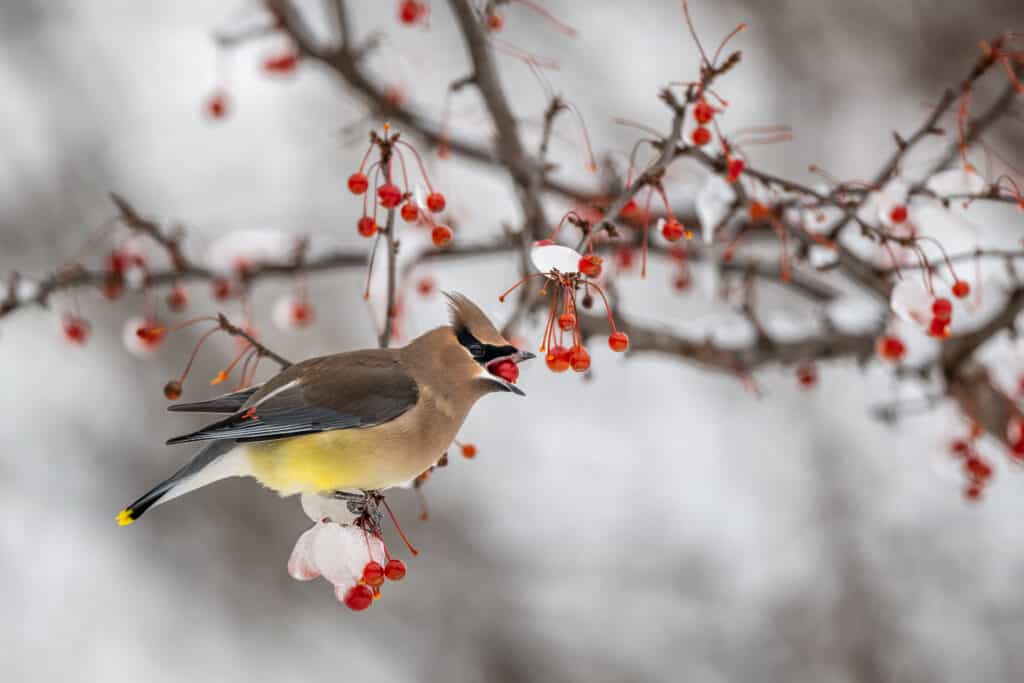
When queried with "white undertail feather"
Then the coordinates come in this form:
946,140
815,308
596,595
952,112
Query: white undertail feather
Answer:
234,463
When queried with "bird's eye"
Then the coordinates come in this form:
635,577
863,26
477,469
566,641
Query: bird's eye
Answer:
476,350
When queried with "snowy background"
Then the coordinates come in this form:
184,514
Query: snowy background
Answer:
656,523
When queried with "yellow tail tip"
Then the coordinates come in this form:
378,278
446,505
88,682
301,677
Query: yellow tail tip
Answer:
124,517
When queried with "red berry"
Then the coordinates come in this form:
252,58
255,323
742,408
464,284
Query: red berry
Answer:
222,289
394,570
959,448
579,359
672,230
177,299
618,342
113,287
891,347
973,492
117,262
591,265
281,64
898,214
630,208
736,167
506,369
495,21
411,11
217,105
807,375
681,282
301,313
977,468
425,286
939,328
410,212
624,257
358,597
441,235
76,329
366,226
435,202
468,450
942,309
566,322
557,359
389,195
961,289
373,573
703,112
700,136
358,183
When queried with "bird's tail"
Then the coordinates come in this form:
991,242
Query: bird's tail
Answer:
213,462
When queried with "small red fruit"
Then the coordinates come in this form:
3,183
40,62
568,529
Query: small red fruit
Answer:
284,63
222,289
939,328
630,209
681,282
703,112
411,11
591,265
700,136
468,450
507,370
394,570
579,359
435,202
410,212
358,183
736,167
177,299
426,286
891,347
807,375
618,342
358,597
557,359
366,226
373,573
76,329
898,214
624,257
301,313
172,390
566,322
389,195
217,105
495,21
942,309
672,230
441,235
973,492
961,289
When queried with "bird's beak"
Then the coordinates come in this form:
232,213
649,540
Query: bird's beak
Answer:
523,355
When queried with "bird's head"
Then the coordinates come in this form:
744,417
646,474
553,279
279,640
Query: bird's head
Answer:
481,340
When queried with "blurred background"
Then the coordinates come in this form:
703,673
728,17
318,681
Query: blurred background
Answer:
650,522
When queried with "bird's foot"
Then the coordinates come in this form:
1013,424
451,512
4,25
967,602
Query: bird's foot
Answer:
366,505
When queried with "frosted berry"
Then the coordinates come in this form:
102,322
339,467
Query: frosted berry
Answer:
394,570
700,136
358,597
961,289
898,214
410,212
441,235
367,226
618,342
579,359
591,265
358,183
672,230
557,359
435,202
389,195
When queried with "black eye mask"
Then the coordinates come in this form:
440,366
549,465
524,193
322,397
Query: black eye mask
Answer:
482,353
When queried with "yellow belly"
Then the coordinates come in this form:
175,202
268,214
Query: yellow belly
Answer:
342,459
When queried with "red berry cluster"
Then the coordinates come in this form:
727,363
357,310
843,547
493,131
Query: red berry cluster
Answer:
361,596
389,195
976,469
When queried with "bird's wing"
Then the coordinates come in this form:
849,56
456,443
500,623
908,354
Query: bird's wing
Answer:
344,391
227,403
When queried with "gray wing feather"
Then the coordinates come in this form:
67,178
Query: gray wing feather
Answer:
227,403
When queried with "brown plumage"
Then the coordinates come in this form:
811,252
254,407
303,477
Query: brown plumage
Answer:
365,419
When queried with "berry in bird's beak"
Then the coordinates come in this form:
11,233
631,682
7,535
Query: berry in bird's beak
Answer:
505,369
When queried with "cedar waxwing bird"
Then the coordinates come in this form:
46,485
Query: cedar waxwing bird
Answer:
362,420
